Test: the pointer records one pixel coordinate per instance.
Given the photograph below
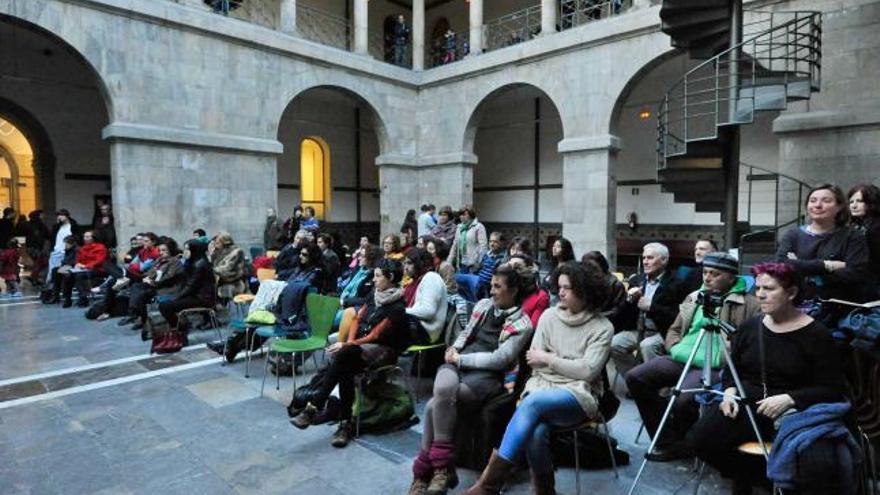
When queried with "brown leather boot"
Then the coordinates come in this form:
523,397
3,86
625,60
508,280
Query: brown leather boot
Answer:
543,483
443,480
492,480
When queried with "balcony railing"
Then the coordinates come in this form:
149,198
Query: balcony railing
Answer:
513,28
382,47
573,13
323,27
442,51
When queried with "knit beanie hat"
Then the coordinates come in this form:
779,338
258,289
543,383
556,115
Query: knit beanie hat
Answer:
721,261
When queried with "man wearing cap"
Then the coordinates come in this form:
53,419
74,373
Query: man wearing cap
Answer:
646,380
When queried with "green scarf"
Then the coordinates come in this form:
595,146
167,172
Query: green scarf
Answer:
682,350
462,239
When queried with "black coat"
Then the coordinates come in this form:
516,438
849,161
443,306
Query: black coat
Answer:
664,304
199,283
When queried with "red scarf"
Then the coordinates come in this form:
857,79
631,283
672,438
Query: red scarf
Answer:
409,292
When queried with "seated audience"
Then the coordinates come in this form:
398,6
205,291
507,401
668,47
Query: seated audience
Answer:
470,243
475,286
654,297
358,288
561,252
162,279
445,227
536,300
65,264
308,277
146,256
9,269
475,371
90,259
645,381
864,208
440,251
228,263
410,227
425,297
567,356
832,256
198,289
521,245
330,262
786,361
65,226
391,247
308,220
694,278
288,258
380,335
614,306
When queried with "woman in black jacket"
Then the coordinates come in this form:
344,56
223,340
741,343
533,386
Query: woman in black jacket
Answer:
831,255
864,207
379,335
199,288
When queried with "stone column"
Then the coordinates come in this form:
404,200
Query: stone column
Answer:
361,12
476,27
549,16
589,193
418,34
406,182
287,17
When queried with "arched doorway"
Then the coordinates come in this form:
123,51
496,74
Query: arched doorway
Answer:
514,132
17,179
57,104
330,148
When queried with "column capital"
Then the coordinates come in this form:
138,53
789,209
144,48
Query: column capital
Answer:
601,142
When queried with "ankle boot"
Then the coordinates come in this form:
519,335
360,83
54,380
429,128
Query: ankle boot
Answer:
492,480
234,345
543,483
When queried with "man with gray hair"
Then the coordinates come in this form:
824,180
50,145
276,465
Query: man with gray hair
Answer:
654,296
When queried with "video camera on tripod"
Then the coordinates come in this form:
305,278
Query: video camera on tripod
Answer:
711,301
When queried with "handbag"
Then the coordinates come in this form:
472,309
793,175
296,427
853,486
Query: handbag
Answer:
169,342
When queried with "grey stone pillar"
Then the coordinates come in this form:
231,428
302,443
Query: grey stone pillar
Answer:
406,182
549,16
476,27
589,193
361,13
170,181
287,17
418,34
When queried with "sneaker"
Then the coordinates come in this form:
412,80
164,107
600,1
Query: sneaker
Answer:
306,418
342,436
443,480
103,316
216,346
418,487
16,295
671,452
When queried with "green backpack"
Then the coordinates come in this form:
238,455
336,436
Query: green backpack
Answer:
384,406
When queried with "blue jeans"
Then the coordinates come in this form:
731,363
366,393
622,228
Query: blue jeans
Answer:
529,429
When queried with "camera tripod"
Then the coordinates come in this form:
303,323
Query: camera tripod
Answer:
715,328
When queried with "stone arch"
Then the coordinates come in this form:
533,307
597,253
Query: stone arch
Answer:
478,105
67,35
379,116
44,154
633,79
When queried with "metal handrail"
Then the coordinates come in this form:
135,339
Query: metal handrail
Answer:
513,28
802,188
790,49
440,55
323,27
573,13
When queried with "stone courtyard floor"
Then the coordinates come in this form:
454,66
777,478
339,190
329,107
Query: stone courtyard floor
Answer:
84,409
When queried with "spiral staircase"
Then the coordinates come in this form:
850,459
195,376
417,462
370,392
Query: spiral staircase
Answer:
777,60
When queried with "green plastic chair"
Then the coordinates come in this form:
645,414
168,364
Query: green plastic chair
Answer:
416,351
321,311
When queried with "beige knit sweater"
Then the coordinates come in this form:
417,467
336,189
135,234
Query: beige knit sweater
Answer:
580,344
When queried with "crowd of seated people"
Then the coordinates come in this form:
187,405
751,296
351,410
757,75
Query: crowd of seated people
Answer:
554,331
